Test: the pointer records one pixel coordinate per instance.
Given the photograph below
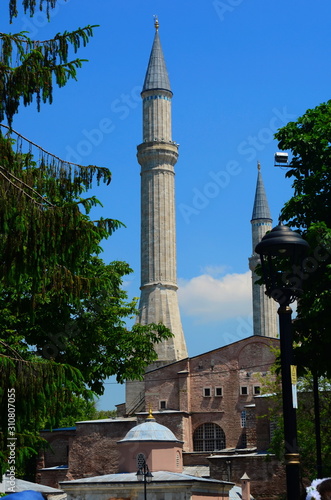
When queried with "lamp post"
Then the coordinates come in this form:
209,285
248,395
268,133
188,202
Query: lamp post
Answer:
144,474
281,252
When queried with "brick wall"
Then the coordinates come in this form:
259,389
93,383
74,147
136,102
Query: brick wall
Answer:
190,386
266,473
52,477
95,451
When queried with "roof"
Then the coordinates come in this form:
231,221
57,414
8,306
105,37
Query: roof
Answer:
158,476
21,485
236,493
150,431
261,207
107,420
256,338
156,74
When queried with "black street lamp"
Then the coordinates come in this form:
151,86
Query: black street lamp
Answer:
144,474
282,252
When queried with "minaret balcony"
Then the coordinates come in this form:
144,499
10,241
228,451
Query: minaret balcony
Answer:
157,155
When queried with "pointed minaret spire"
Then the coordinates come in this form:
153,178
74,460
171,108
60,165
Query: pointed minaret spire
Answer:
157,156
156,75
264,309
261,207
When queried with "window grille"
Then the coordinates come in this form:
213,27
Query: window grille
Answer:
141,459
208,437
243,418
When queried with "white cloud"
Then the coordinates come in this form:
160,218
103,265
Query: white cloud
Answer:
209,299
215,270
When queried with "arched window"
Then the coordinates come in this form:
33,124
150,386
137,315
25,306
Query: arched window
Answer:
178,460
208,437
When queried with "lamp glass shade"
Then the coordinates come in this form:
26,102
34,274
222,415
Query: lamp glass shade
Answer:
149,477
140,475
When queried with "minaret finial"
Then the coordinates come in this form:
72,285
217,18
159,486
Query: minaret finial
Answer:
156,22
258,165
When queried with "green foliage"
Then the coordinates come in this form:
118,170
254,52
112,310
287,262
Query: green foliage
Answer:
100,414
309,210
38,65
306,426
309,140
43,229
83,409
87,332
33,393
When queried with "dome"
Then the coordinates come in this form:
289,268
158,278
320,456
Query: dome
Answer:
150,431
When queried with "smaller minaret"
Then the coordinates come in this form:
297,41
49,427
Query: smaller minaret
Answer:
264,309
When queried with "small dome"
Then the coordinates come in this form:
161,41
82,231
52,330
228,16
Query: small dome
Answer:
150,431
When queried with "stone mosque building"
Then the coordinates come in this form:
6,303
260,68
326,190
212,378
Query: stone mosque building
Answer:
211,402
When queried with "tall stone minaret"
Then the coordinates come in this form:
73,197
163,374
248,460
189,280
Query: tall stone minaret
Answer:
157,156
265,317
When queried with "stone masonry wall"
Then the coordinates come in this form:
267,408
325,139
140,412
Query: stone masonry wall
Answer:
266,473
94,451
219,385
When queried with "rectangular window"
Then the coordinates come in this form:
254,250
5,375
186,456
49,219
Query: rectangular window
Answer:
163,405
207,392
243,418
218,391
257,389
244,390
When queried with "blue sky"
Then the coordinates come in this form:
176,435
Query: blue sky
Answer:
239,70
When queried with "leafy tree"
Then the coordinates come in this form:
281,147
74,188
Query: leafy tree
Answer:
309,211
62,310
305,425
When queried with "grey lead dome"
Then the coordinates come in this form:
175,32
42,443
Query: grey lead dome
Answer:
150,431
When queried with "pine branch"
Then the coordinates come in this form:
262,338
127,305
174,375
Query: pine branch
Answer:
17,357
37,63
30,5
40,205
102,172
